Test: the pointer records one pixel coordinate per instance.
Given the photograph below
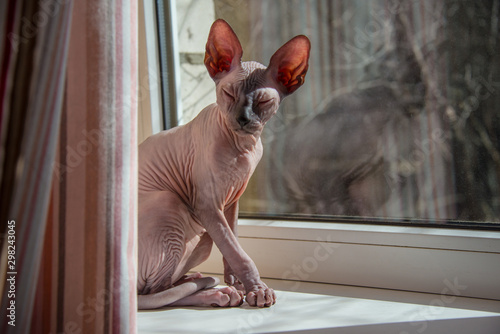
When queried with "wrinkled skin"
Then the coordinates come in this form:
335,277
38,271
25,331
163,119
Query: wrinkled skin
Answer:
191,177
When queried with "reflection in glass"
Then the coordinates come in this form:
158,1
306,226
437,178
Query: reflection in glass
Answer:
399,114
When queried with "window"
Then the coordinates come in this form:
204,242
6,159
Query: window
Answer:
397,121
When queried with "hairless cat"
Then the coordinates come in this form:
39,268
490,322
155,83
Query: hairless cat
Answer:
191,177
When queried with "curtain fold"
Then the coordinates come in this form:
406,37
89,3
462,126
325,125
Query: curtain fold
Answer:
33,71
69,164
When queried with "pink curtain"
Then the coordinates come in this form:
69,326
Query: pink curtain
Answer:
69,165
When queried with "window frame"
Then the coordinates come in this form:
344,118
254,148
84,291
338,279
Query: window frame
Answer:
403,222
169,62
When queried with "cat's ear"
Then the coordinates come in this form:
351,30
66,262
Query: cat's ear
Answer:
223,50
288,65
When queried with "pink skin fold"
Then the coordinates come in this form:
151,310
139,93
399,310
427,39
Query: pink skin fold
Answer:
192,176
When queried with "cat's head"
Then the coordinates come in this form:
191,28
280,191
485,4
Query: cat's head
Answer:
249,93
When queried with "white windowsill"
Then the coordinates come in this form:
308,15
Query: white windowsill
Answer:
326,308
374,279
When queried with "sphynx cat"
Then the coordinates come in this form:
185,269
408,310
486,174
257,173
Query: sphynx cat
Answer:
191,177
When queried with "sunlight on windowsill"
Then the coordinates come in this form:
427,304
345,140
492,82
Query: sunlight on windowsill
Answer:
326,308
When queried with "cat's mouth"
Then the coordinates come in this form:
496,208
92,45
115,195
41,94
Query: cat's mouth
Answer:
243,131
248,129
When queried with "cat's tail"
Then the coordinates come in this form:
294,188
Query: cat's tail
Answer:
176,293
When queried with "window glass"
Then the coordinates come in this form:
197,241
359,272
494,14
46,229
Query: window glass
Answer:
399,116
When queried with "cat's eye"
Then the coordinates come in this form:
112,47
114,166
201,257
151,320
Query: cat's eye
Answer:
228,94
264,102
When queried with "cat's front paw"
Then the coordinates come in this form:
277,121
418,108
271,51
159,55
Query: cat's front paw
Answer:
232,280
261,296
226,297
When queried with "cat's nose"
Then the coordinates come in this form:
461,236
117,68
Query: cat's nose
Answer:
243,120
244,117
